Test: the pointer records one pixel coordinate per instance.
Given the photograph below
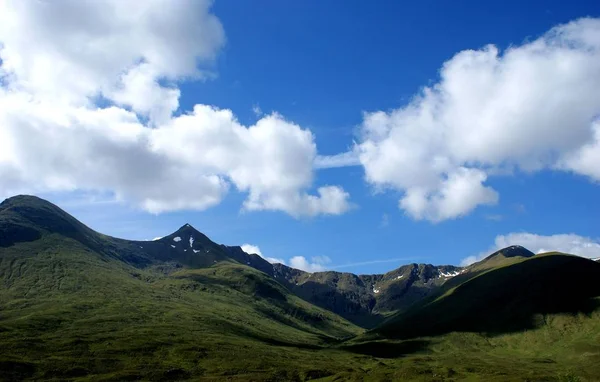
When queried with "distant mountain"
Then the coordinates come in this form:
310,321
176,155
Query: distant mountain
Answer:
366,299
79,305
362,299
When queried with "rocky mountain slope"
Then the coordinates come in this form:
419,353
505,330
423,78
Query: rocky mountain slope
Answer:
366,299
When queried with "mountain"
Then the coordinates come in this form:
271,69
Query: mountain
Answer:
504,299
504,256
75,303
79,305
534,319
366,299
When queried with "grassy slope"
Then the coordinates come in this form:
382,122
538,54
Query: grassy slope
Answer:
533,320
65,312
506,299
77,304
70,312
565,348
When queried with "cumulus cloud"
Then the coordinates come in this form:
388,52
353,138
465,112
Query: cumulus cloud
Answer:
73,50
566,243
532,107
253,249
316,263
586,159
88,92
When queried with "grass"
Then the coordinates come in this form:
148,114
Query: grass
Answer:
75,305
506,299
69,313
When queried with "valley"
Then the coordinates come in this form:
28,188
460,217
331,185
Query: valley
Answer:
79,305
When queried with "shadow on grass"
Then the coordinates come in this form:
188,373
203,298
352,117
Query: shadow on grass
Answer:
349,305
509,299
16,371
384,349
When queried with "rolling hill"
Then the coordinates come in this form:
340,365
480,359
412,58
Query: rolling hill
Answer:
509,298
79,305
74,302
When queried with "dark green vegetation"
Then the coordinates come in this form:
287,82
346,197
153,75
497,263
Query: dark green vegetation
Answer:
508,299
78,305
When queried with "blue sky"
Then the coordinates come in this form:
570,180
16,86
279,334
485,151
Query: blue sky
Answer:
321,66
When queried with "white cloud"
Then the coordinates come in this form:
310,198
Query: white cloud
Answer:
586,159
317,264
59,61
349,158
566,243
253,249
529,108
456,195
72,50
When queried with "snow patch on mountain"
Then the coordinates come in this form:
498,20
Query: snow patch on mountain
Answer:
451,274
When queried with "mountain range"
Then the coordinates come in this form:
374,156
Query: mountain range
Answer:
79,305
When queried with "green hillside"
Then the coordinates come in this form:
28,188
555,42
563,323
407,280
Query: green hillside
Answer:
506,299
79,305
534,319
76,303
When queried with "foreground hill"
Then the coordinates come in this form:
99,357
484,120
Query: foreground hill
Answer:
510,298
79,305
75,303
367,300
533,318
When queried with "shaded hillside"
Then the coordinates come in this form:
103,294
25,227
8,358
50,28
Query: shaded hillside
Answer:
79,305
506,299
366,299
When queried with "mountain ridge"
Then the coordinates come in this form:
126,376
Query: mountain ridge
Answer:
77,304
364,299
